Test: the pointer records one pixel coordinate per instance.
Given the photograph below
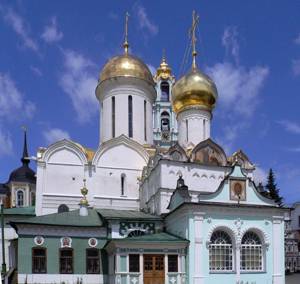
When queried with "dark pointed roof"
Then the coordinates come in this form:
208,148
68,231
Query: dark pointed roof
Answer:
23,173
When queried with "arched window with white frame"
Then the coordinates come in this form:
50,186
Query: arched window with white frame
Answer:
220,252
20,198
251,252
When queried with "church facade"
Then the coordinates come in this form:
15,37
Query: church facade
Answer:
160,201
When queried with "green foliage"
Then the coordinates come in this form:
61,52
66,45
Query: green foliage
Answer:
271,186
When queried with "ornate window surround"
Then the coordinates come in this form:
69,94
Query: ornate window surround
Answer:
237,234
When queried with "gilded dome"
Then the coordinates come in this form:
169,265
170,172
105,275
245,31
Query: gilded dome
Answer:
126,65
194,90
164,71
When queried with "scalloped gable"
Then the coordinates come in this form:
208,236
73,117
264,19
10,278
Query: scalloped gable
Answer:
116,151
222,194
65,152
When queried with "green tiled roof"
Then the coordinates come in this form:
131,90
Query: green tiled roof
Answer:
111,214
71,218
154,238
20,211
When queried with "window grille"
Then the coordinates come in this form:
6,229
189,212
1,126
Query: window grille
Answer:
66,261
92,261
39,260
251,252
220,252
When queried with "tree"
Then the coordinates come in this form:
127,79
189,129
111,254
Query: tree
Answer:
271,186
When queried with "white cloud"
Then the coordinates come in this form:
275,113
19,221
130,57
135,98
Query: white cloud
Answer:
230,42
296,67
51,33
290,126
37,71
144,22
238,87
78,82
113,16
297,39
12,102
294,149
20,27
55,134
6,145
260,175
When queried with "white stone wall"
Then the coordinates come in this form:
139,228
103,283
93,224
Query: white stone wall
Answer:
62,168
156,190
193,126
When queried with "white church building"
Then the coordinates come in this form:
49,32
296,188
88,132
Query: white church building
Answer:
162,202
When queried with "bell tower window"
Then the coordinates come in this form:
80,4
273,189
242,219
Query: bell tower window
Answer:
165,91
165,121
130,117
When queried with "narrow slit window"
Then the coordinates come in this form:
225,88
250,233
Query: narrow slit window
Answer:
130,116
113,116
123,184
145,120
187,129
204,130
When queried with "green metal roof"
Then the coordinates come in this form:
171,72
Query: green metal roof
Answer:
111,214
71,218
20,211
154,238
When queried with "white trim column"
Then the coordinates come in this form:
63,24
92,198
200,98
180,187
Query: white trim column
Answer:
141,280
278,250
236,261
166,268
198,261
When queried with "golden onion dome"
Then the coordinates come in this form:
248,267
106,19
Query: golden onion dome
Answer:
194,90
163,71
126,65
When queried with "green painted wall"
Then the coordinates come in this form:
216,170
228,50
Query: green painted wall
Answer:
52,244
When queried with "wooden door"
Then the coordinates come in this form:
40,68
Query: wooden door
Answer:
154,269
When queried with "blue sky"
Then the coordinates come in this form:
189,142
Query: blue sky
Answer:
51,53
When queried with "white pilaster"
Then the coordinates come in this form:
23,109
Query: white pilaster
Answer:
278,251
198,261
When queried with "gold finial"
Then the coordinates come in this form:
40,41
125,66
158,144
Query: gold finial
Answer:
126,44
163,55
84,192
193,37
